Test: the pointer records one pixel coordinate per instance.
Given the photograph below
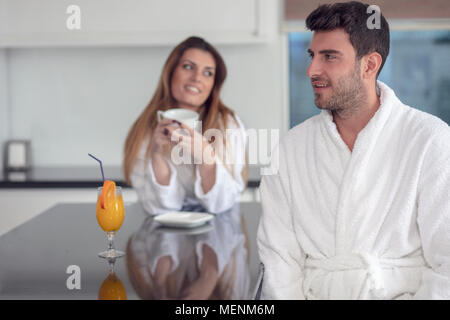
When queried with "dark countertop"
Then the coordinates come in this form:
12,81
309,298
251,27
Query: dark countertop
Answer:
36,256
80,177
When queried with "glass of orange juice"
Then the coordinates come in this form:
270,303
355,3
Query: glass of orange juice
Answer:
110,213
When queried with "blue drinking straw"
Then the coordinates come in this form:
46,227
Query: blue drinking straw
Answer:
101,166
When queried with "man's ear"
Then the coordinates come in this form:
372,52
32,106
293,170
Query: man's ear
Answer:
372,63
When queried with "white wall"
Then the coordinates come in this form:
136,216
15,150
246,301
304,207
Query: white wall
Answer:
4,114
71,101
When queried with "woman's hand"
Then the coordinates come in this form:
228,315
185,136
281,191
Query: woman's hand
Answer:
161,136
193,142
160,139
199,150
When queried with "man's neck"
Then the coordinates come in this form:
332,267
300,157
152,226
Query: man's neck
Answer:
350,126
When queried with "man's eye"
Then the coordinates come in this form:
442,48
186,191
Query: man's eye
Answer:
330,57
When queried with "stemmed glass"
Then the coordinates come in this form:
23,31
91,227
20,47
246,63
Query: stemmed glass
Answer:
110,219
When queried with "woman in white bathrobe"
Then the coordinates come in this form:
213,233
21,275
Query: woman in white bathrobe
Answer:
215,176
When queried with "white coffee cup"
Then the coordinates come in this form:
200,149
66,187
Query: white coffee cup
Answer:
185,116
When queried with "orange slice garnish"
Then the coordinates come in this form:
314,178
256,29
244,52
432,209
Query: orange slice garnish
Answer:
108,193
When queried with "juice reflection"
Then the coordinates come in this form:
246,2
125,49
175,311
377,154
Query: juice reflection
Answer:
176,265
112,288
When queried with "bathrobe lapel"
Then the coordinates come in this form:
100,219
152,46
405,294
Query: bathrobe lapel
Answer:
358,164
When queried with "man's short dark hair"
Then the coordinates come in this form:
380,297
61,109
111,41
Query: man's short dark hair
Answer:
352,17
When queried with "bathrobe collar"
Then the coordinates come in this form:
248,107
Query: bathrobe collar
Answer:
371,131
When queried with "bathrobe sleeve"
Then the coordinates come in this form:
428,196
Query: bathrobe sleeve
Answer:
434,216
156,198
279,250
227,188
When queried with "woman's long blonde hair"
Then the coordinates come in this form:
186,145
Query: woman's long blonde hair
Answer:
212,111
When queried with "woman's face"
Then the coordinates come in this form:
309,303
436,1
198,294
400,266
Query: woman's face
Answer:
193,78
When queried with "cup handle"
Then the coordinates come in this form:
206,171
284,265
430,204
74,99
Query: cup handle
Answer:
159,115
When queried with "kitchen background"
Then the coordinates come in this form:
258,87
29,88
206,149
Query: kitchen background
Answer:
74,91
77,91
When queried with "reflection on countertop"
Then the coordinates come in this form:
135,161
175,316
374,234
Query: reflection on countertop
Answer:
208,262
112,287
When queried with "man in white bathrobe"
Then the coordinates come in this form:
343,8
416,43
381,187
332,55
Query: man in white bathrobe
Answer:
360,205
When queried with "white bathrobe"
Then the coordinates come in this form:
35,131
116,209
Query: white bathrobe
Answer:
184,189
369,224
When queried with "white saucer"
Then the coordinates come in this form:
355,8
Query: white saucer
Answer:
186,231
183,219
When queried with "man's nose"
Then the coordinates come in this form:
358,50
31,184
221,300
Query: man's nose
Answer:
314,68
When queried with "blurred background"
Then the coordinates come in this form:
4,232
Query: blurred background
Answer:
76,91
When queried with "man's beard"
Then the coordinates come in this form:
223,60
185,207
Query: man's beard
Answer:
348,94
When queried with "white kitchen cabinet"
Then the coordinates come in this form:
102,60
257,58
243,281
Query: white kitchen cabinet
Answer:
47,23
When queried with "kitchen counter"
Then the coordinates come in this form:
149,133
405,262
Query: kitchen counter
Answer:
80,177
38,258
